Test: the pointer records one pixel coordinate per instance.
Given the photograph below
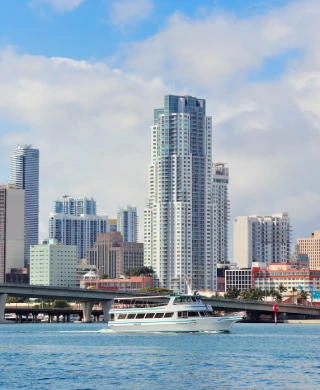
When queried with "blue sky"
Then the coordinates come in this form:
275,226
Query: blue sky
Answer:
79,80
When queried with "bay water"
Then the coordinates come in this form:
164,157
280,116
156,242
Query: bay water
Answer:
89,356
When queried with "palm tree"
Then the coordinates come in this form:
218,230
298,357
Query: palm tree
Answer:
303,295
293,291
282,288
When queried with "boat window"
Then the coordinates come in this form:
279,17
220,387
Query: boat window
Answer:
203,314
140,315
150,315
122,316
183,314
194,299
112,317
193,314
168,315
130,316
159,315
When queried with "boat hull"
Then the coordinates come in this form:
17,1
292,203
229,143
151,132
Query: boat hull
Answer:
212,324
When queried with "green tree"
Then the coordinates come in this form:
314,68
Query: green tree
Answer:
137,271
59,304
293,291
303,295
157,290
232,292
282,288
104,276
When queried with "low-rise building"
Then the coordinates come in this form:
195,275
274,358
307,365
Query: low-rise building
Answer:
239,278
299,260
134,283
53,265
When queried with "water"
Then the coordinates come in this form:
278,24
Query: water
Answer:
87,356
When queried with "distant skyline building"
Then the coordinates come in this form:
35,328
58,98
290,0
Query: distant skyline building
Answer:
221,212
53,265
311,247
127,223
24,174
113,256
70,227
11,230
112,225
178,215
299,260
75,206
262,239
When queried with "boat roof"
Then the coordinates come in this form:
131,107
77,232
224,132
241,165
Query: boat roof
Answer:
155,297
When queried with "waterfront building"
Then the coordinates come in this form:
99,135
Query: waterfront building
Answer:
239,278
134,283
53,265
24,174
263,239
11,230
81,231
112,256
221,213
112,225
283,273
76,206
177,218
83,268
299,260
127,223
311,247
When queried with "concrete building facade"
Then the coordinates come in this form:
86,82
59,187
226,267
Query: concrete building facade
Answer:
12,216
134,283
53,265
112,256
221,213
24,174
75,206
299,260
177,218
311,247
239,278
127,223
263,239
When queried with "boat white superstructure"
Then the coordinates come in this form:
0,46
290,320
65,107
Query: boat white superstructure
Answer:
167,314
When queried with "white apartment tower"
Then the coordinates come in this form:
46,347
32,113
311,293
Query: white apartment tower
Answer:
127,223
24,174
221,212
262,239
177,219
75,205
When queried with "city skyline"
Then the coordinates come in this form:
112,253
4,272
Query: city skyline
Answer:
259,83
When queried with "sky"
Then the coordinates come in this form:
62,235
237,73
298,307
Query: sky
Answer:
79,80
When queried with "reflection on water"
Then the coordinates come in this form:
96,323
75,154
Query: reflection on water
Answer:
89,356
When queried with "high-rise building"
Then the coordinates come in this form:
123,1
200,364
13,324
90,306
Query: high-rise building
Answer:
75,206
299,260
74,222
113,225
177,219
127,223
262,239
311,247
81,231
24,174
221,212
11,230
112,256
53,265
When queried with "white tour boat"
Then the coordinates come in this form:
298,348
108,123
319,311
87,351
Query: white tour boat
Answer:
183,313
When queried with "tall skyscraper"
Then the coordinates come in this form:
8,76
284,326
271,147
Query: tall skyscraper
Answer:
221,212
24,174
75,222
127,223
177,220
75,205
262,239
11,229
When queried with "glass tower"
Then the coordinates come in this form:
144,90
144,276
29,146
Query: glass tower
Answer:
127,223
24,174
177,219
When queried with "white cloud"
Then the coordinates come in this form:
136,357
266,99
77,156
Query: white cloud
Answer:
125,13
58,5
92,122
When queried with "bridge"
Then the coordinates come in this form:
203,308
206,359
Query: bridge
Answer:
89,297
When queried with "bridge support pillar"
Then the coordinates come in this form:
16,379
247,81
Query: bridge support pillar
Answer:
3,300
106,306
87,310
